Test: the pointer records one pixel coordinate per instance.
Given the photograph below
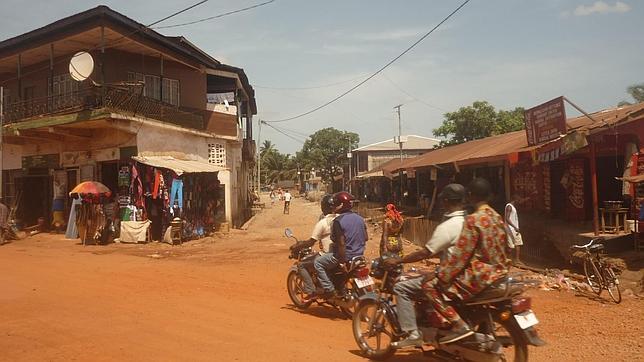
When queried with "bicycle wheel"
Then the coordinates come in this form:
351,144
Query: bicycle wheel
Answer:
593,277
612,284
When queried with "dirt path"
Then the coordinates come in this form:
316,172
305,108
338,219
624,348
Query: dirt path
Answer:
224,299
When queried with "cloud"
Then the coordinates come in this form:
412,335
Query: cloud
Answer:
600,7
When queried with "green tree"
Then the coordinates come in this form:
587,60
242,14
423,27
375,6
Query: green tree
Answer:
477,121
637,92
326,151
267,146
277,166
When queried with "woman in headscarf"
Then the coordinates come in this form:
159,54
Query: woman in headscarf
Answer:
391,240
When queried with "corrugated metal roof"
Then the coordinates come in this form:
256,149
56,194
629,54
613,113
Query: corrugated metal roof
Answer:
413,142
498,147
179,166
384,170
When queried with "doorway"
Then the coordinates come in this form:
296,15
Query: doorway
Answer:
35,199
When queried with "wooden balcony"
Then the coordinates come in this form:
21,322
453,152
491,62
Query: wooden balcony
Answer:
126,101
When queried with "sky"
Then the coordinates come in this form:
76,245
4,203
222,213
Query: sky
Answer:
300,54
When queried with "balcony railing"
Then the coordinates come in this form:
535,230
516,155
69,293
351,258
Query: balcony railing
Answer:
117,100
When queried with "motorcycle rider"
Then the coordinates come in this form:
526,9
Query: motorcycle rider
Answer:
476,261
321,234
444,236
349,236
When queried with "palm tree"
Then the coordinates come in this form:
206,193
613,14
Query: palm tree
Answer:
267,146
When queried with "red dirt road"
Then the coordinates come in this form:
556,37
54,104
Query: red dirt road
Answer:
224,299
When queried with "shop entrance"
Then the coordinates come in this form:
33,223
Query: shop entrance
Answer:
35,197
109,175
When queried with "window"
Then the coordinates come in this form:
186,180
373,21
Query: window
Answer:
151,84
152,87
171,91
217,154
64,90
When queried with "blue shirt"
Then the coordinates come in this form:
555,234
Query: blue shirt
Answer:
352,226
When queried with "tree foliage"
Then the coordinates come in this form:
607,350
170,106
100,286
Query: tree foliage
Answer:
477,121
636,91
326,150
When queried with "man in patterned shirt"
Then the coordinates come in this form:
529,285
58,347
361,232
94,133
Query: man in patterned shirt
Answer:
476,261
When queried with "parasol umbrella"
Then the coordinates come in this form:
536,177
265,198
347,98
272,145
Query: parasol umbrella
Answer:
90,190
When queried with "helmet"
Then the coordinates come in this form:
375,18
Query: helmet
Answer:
342,201
326,204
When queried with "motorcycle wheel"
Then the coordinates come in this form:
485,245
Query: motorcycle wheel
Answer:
295,287
372,331
515,347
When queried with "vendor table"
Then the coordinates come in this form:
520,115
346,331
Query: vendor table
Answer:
616,217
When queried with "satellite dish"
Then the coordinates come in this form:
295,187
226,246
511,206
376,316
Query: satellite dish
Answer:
81,66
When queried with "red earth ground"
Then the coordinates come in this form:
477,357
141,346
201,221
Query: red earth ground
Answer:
224,299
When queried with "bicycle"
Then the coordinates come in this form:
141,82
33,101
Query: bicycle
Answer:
599,273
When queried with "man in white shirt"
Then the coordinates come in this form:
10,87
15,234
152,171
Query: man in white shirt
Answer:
515,240
287,202
322,235
444,237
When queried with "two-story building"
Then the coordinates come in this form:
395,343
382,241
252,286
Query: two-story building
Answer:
148,95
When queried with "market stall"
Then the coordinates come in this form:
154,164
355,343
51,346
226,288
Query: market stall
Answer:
90,217
166,188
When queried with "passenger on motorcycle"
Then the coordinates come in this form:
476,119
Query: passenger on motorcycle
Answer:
445,236
322,235
349,236
476,261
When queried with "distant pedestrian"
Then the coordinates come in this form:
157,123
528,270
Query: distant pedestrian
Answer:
272,196
391,240
287,201
4,216
513,233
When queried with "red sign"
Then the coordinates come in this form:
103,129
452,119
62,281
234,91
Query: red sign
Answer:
545,122
573,182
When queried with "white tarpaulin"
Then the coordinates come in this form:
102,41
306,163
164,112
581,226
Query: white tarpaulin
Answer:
179,166
134,231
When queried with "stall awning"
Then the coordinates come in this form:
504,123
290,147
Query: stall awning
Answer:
179,166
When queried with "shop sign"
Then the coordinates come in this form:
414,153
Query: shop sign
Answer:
573,182
77,158
41,161
573,142
545,122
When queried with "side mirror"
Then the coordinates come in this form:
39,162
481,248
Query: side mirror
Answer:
288,232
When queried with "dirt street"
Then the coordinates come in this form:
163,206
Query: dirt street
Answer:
224,299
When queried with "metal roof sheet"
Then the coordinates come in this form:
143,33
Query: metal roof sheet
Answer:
413,142
499,146
179,166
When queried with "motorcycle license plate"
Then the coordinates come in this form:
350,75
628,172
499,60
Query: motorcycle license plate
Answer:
364,282
526,319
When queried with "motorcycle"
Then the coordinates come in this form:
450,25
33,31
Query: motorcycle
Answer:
500,316
349,286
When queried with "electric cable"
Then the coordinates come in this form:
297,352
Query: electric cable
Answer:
116,42
311,87
283,133
409,94
377,72
214,17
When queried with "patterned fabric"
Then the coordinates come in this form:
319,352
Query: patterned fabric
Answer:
435,297
478,258
393,214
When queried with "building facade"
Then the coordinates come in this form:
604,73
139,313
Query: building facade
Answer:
148,94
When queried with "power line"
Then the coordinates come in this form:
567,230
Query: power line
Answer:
312,87
377,72
293,132
409,94
115,43
216,16
283,133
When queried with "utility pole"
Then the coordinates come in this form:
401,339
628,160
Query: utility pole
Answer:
259,156
400,147
350,158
